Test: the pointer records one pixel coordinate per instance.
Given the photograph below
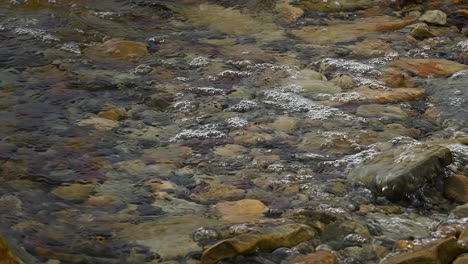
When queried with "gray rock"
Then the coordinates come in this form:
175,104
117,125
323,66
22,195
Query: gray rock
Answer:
398,172
434,17
461,211
396,227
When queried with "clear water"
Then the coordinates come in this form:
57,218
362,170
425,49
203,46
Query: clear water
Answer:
119,157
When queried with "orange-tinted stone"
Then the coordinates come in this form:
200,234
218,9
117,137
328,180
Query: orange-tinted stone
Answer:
463,12
397,78
403,245
114,114
456,188
6,255
319,257
437,252
392,26
119,49
428,67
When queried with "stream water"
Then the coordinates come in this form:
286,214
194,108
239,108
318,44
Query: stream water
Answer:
140,131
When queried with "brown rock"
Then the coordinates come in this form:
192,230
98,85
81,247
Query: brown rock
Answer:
371,47
114,114
462,259
456,188
74,192
170,154
230,21
219,192
247,210
463,12
428,67
422,32
391,95
319,257
437,252
265,241
171,236
397,78
344,81
250,138
160,185
284,123
6,255
348,31
229,150
403,245
463,238
120,49
369,95
447,231
98,123
288,12
131,166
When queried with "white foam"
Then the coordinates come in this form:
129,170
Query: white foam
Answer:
36,33
295,103
206,90
243,106
202,132
199,62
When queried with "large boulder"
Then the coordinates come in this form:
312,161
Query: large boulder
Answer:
265,240
397,172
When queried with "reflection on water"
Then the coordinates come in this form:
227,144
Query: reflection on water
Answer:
144,131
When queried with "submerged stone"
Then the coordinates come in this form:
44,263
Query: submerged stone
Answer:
380,110
99,123
266,240
120,49
397,227
319,257
6,255
463,258
434,17
170,237
231,21
351,31
456,188
247,210
74,192
437,252
398,172
427,67
461,211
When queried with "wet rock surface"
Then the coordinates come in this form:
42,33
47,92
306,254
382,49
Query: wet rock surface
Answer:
233,131
265,241
399,172
443,251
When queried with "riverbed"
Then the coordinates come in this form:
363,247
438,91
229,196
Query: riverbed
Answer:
198,131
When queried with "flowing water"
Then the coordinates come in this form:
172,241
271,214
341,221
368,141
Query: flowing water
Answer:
140,131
